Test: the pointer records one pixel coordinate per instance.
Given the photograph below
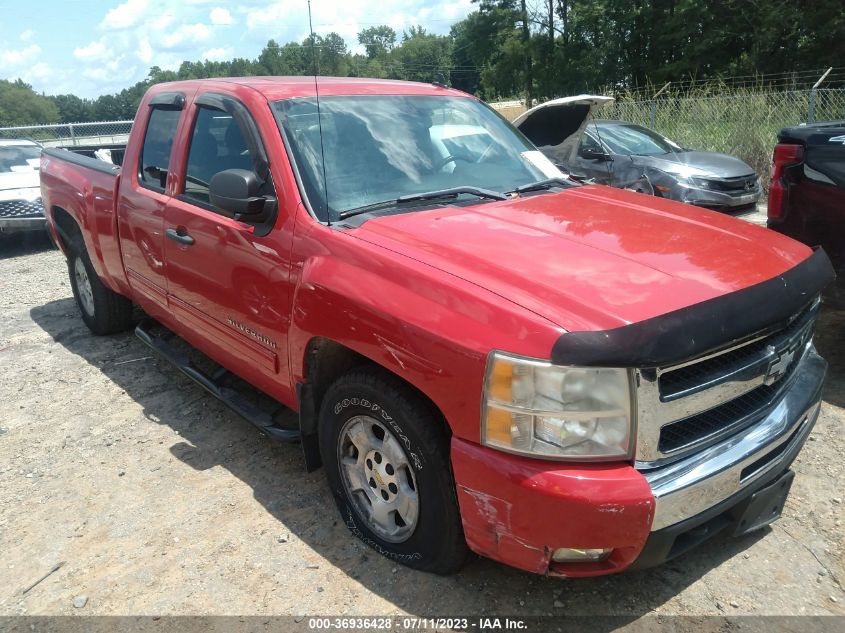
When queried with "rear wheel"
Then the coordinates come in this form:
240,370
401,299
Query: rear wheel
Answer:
387,461
103,310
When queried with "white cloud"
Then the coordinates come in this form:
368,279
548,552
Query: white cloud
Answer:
221,17
93,51
217,54
125,15
27,35
145,50
186,34
268,15
40,71
161,21
18,56
108,70
23,63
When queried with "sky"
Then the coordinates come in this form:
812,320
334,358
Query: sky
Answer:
94,47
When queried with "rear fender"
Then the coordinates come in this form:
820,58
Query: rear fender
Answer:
89,200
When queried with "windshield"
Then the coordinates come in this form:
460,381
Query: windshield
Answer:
19,158
627,140
382,147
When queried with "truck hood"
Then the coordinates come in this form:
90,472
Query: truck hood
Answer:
555,126
590,258
25,179
694,163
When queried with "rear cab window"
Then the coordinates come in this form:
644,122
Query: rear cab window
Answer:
154,162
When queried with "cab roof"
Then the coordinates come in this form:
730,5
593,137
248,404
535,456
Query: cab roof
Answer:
275,88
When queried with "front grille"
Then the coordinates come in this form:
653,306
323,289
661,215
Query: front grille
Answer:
741,184
675,383
21,209
690,406
733,415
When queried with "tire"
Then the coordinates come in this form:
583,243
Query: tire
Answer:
374,402
103,310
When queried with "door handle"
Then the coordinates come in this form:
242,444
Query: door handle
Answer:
179,236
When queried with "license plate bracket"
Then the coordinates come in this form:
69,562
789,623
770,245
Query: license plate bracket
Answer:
766,505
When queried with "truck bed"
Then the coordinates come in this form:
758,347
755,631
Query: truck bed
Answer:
85,189
83,161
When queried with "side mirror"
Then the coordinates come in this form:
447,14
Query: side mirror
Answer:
236,191
595,154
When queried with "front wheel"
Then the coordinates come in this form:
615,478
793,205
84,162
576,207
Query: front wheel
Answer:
387,461
103,310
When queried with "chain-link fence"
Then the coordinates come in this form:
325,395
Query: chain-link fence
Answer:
742,123
98,134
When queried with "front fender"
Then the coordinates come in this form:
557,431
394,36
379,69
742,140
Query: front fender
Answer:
430,328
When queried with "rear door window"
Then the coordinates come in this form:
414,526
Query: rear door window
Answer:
155,153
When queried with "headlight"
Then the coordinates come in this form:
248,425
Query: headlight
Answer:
701,183
539,409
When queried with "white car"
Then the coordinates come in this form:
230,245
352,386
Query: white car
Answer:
20,187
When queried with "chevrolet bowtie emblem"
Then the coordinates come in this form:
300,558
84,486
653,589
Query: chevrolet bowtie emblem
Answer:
778,366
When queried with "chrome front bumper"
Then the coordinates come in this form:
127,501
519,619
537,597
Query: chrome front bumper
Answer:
694,484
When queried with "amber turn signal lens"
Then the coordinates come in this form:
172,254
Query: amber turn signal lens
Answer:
501,381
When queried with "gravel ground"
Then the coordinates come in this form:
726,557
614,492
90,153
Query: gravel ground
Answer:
158,500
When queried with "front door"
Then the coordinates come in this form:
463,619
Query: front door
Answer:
227,279
596,169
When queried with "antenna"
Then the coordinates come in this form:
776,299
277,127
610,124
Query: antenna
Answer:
315,60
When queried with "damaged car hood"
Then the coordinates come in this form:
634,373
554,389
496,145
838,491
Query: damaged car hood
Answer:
694,163
555,126
590,258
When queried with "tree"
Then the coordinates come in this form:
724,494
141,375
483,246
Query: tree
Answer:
110,108
72,109
377,40
334,58
465,75
21,105
491,38
423,57
271,62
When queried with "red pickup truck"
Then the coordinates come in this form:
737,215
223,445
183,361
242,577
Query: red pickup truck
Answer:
483,355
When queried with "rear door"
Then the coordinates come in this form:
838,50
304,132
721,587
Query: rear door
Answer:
143,199
227,278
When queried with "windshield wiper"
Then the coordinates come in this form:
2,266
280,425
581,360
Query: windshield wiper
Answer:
548,183
453,192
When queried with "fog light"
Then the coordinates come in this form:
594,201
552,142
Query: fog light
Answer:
572,555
